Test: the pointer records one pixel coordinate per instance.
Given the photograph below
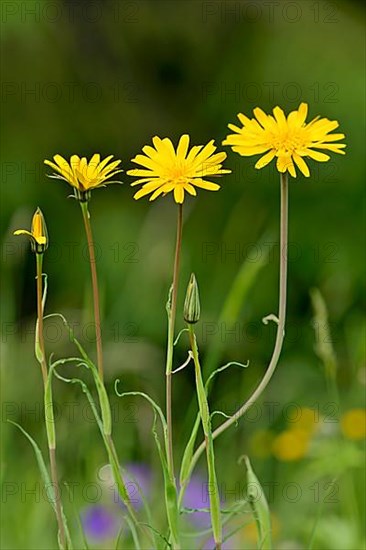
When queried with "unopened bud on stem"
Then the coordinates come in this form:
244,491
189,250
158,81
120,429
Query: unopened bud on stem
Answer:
192,308
38,234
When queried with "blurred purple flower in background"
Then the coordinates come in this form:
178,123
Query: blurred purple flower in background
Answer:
138,480
99,523
196,496
102,523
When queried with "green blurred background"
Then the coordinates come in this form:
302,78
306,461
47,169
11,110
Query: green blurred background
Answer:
84,77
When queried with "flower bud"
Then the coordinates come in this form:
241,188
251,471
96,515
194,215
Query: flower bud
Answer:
38,234
192,308
39,243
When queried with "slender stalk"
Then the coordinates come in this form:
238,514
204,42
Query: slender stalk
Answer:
39,263
50,439
170,345
280,328
210,455
114,461
94,277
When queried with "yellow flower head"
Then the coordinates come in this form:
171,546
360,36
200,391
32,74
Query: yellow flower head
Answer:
38,234
353,424
83,175
289,139
166,169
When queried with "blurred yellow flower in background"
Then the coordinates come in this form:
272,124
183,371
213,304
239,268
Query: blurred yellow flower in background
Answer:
288,139
353,424
249,533
291,445
168,170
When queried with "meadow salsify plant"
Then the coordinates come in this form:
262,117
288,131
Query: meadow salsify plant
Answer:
38,236
84,176
165,170
181,170
192,309
288,140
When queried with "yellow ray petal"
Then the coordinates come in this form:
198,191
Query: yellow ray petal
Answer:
266,159
146,189
179,194
204,154
140,181
261,117
109,168
164,189
23,232
150,151
74,162
320,157
53,166
301,164
203,184
283,162
280,118
191,190
64,166
335,147
183,146
243,119
291,169
142,173
302,113
147,162
193,152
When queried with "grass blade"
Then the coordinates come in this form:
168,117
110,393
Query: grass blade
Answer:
259,507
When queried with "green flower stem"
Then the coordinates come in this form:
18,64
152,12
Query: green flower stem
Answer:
94,277
206,425
279,335
48,405
39,333
170,344
102,393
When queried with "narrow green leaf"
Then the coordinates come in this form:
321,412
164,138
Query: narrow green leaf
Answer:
323,339
49,413
85,390
170,489
76,515
259,506
135,537
215,505
185,469
46,479
40,461
160,537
